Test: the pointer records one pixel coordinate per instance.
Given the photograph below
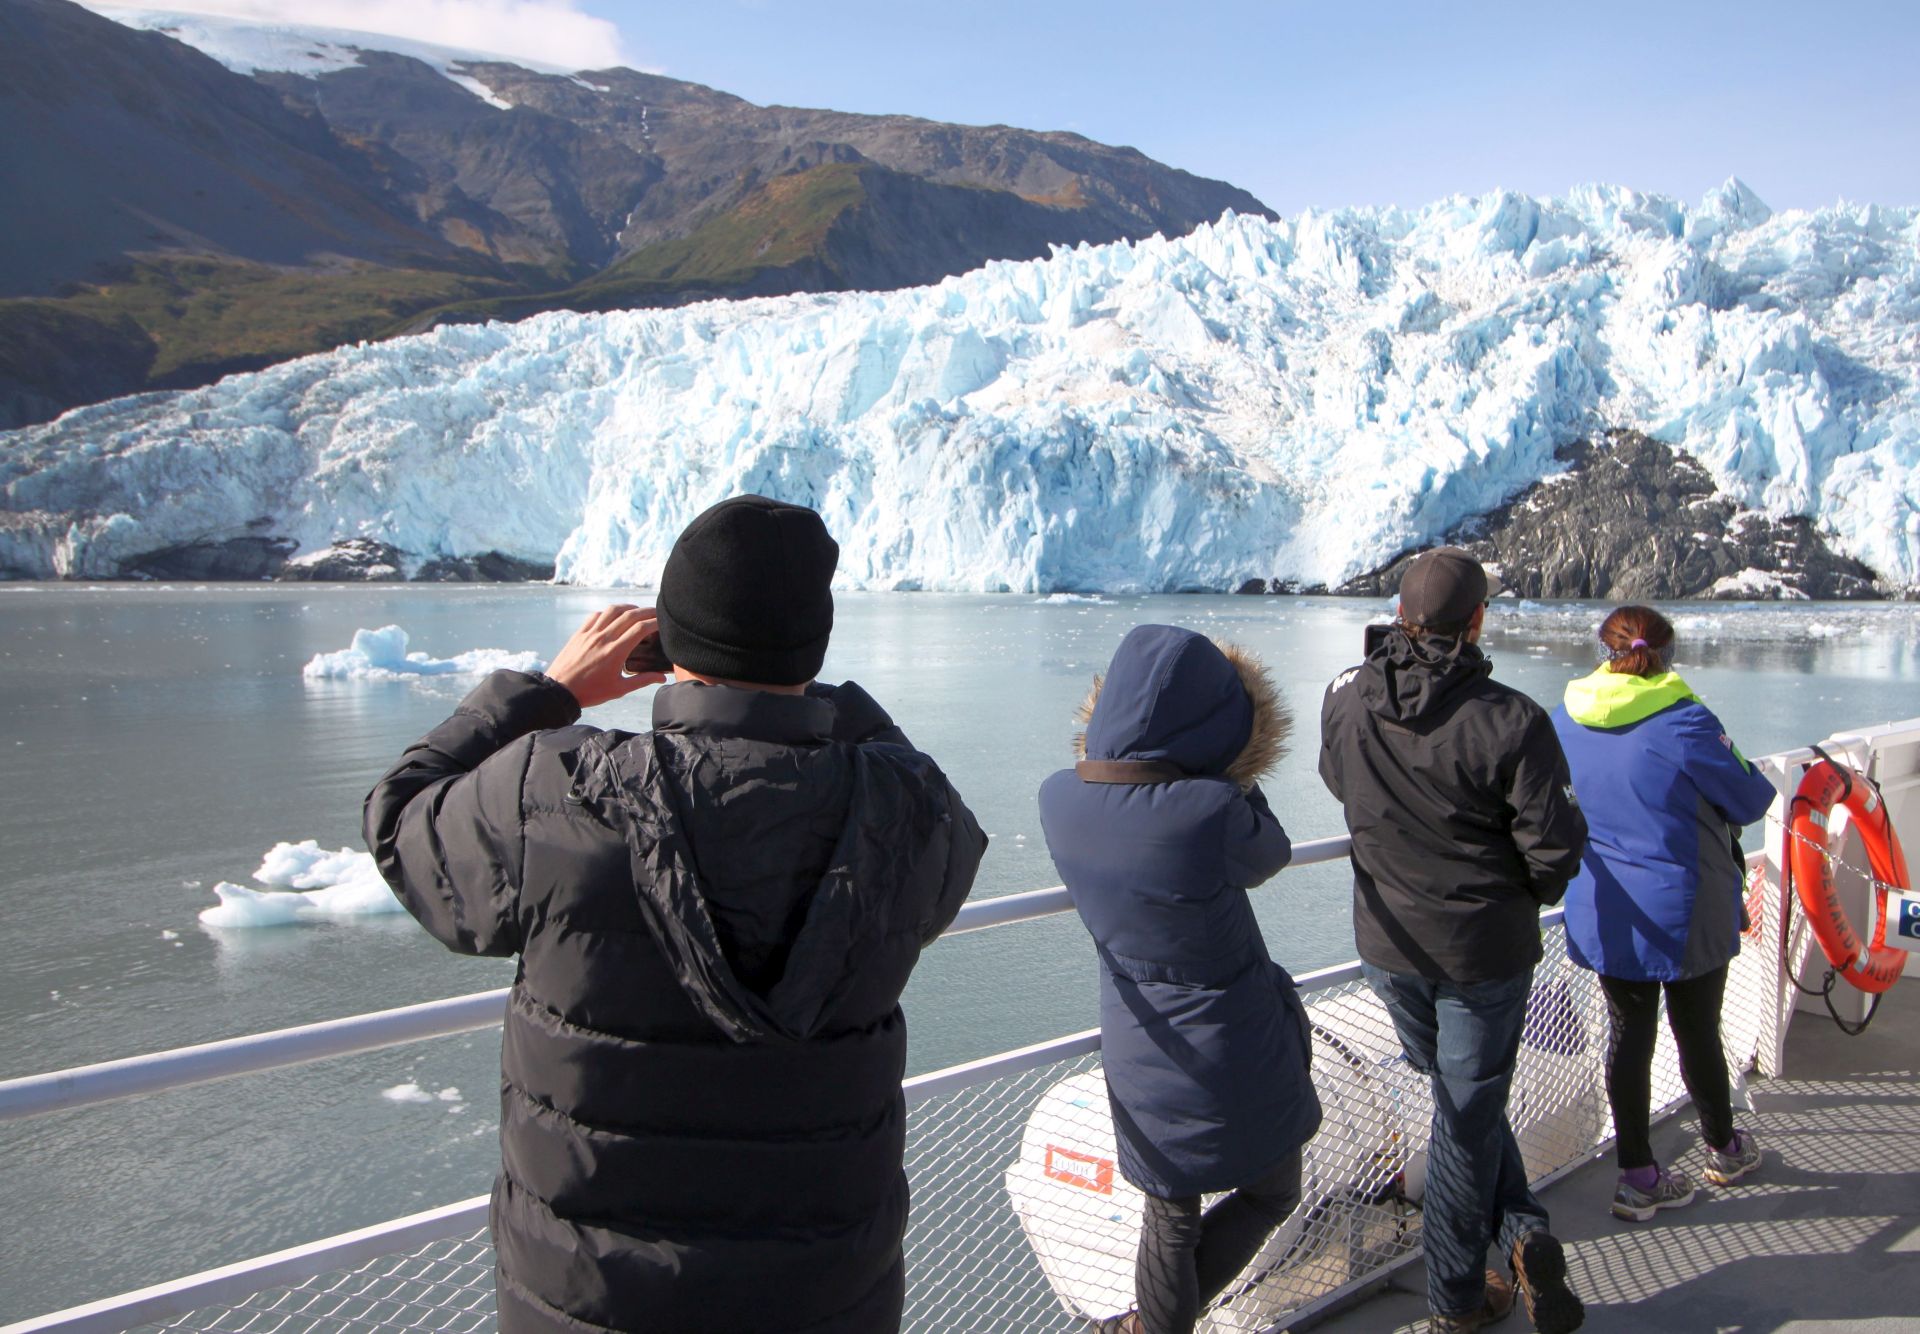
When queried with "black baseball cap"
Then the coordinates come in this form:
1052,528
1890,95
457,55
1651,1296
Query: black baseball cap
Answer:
1441,588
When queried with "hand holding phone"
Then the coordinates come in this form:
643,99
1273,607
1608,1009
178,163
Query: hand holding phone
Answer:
649,656
596,664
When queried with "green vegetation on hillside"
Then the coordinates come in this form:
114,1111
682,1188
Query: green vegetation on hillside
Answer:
178,322
206,317
782,224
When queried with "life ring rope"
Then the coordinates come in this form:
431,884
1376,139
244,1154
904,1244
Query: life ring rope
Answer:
1809,862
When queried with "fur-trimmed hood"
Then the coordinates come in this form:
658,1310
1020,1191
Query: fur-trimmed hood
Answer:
1172,694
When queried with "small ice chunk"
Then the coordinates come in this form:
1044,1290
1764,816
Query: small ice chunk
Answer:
312,883
407,1092
306,865
381,655
448,1095
169,935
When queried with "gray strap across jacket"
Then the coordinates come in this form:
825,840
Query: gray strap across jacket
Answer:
701,1122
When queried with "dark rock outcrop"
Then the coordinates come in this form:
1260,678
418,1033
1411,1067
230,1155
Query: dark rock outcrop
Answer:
363,560
489,567
235,558
354,560
1633,520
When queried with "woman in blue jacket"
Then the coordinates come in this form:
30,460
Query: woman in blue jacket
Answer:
1159,832
1657,903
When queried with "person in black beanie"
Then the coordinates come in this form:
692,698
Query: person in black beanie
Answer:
701,1120
747,593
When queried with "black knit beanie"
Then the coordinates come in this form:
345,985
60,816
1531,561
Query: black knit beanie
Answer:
747,593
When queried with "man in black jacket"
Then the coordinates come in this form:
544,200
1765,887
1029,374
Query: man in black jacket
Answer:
701,1123
1464,826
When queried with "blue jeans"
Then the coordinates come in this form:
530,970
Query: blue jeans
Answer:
1465,1037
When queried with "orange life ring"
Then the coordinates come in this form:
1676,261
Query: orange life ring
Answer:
1875,966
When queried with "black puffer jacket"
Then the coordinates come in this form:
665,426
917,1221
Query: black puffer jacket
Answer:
701,1121
1461,809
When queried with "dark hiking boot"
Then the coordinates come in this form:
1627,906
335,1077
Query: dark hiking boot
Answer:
1494,1307
1540,1275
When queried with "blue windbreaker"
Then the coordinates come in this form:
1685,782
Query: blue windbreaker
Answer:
1657,898
1203,1036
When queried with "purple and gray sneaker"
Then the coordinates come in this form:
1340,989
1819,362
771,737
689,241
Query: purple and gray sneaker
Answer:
1726,1166
1637,1199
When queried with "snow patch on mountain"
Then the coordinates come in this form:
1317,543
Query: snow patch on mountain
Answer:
249,46
1299,399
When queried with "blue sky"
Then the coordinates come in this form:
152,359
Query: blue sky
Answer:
1307,104
1327,104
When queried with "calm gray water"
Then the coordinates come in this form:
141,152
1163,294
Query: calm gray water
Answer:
156,740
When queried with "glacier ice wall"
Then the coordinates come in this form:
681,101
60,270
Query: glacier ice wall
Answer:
1299,399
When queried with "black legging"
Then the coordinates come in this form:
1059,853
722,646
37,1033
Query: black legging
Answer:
1186,1260
1693,1012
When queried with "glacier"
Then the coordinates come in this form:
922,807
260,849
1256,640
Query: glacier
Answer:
1299,399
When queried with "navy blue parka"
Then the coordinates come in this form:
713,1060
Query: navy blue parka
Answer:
1204,1039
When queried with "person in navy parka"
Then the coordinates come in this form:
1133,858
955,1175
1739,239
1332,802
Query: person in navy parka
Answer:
1657,903
1159,832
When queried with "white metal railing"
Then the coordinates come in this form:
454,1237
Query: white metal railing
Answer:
233,1283
108,1081
464,1223
180,1298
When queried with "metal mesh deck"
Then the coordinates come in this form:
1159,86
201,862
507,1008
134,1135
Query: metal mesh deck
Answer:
1020,1221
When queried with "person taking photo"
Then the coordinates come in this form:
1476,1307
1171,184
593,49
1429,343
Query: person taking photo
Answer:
701,1118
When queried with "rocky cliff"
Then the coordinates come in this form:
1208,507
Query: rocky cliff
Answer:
1630,520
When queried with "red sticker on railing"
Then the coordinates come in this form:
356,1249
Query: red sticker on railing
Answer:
1756,903
1080,1169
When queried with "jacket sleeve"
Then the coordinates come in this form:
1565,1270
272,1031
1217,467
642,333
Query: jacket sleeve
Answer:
1740,792
1256,846
1329,756
859,718
966,845
444,824
1548,827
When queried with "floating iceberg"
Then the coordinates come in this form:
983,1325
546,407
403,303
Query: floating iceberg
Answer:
412,1092
1298,400
311,883
381,655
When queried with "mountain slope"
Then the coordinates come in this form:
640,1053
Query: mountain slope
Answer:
291,189
130,142
1298,401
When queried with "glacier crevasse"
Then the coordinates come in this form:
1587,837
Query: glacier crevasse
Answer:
1299,399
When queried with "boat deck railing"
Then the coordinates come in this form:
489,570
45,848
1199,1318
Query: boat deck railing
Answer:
998,1239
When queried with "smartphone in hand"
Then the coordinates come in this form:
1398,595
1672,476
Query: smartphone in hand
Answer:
648,656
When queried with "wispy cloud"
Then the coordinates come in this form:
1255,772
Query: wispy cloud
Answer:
550,32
